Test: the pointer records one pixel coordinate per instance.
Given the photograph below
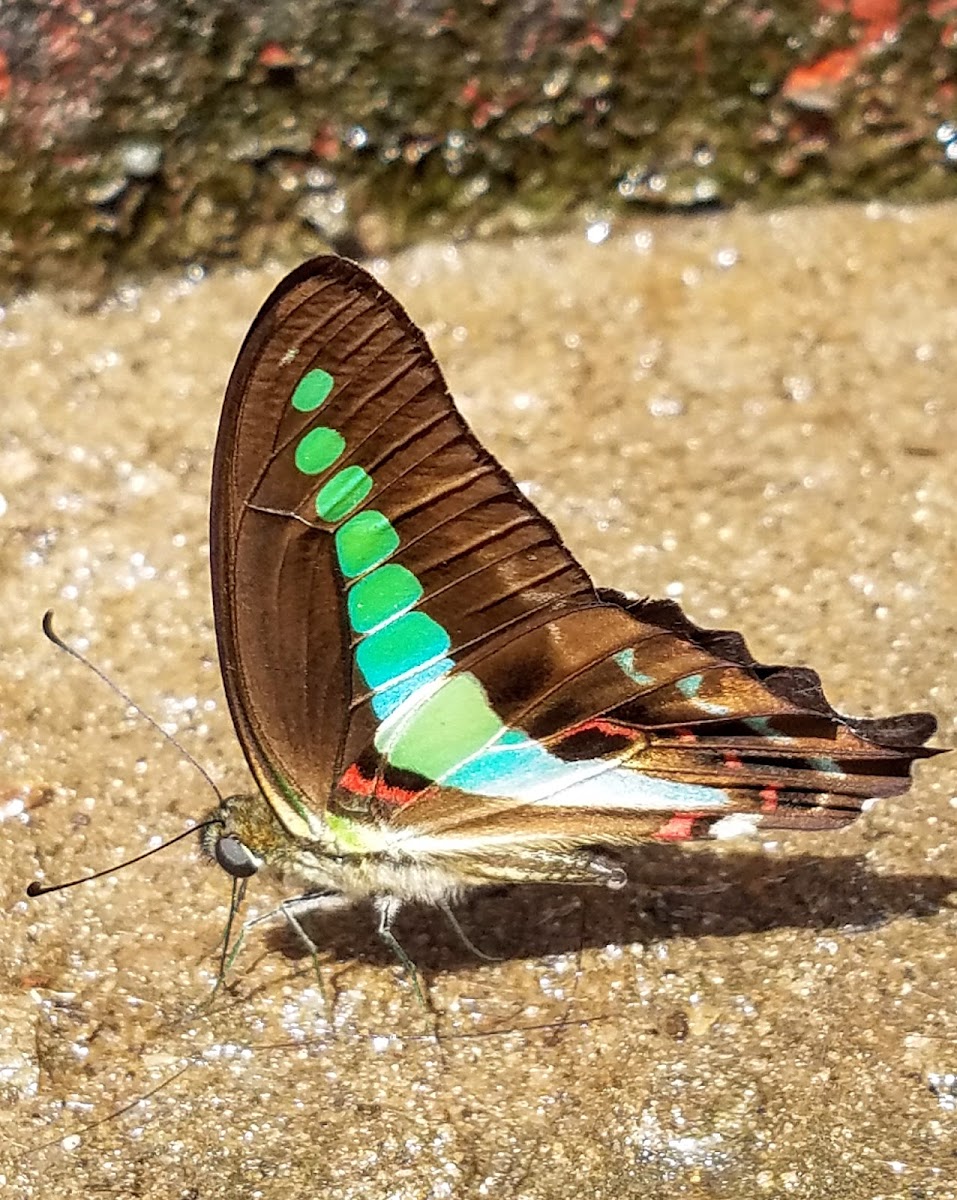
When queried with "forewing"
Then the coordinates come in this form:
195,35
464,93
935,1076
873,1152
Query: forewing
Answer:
361,538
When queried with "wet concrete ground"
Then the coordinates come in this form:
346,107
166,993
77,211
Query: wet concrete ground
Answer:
753,414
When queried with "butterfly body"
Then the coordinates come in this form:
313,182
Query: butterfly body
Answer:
359,861
431,693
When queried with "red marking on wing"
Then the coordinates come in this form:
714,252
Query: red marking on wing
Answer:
769,798
814,85
609,728
354,781
685,735
732,761
679,827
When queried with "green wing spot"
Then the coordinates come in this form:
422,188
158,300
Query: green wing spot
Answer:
443,731
318,450
382,595
400,647
345,491
364,541
351,836
311,390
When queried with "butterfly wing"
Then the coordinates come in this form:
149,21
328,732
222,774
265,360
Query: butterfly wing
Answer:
406,643
668,731
361,537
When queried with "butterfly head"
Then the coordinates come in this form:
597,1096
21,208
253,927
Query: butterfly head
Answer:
244,835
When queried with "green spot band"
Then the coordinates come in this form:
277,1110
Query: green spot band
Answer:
445,729
311,390
318,450
365,541
399,647
382,595
345,491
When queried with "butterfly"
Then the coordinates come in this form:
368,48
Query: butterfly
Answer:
430,692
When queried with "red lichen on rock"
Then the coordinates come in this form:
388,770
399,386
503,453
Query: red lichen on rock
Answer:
274,55
816,85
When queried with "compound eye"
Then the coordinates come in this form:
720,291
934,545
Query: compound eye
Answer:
235,858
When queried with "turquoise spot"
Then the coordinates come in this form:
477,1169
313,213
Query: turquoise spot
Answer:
311,390
825,764
345,491
626,660
763,726
318,450
382,595
364,541
518,764
385,703
404,644
690,686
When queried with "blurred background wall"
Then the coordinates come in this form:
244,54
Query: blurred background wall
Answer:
141,134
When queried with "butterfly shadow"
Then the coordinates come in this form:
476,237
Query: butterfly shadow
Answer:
697,894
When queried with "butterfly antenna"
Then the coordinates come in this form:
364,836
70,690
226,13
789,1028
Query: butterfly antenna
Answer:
40,889
55,638
75,1137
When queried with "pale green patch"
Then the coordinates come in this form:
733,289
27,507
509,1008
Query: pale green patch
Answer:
364,541
454,722
353,837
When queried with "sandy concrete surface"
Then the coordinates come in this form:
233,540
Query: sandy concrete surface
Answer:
754,414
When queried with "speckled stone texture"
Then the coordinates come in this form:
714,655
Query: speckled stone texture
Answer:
752,414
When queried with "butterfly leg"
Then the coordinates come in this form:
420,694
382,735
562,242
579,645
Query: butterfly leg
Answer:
387,909
227,955
291,909
300,906
463,936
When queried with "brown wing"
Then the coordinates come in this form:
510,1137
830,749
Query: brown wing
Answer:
485,559
641,724
366,549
